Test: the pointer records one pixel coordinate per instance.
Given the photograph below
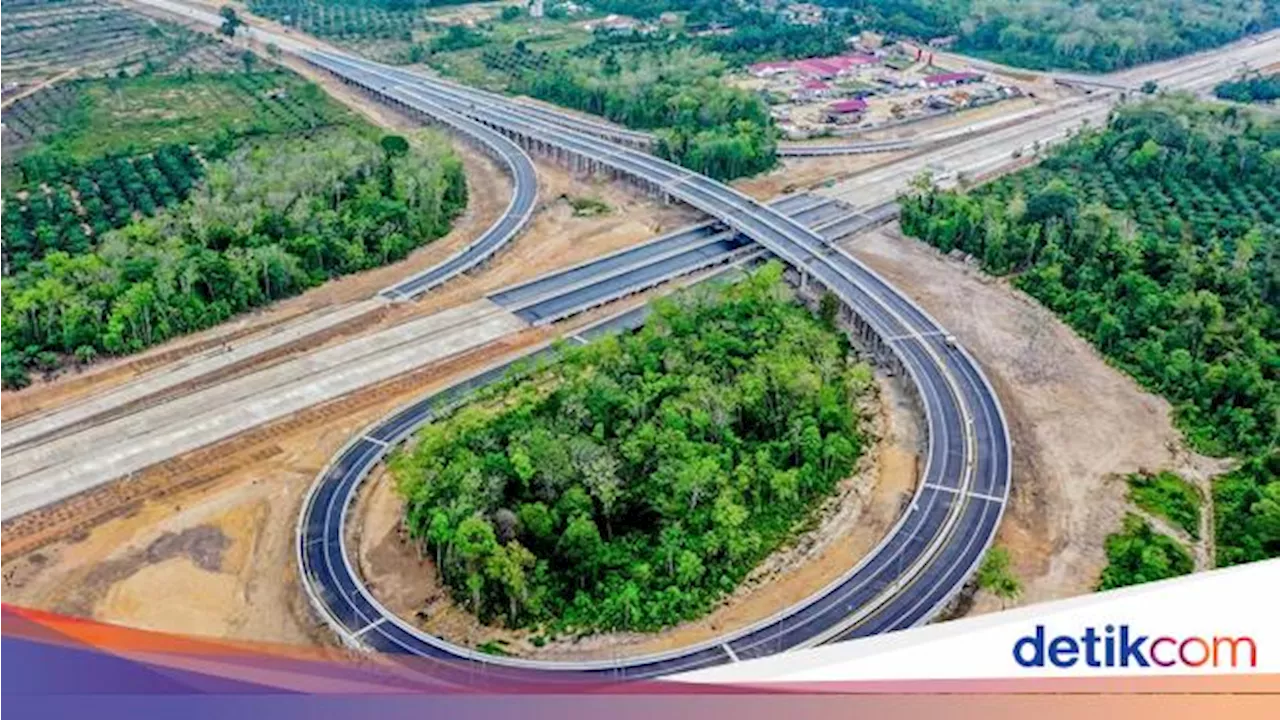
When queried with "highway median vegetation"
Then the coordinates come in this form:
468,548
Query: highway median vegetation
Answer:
1158,239
634,482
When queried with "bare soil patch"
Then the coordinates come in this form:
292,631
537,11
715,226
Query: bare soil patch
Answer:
204,544
793,174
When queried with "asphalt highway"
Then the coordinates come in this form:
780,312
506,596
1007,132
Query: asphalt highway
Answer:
915,570
514,218
563,293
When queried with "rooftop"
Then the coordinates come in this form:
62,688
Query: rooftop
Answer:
848,106
941,78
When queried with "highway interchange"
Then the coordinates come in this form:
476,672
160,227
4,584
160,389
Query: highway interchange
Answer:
960,497
914,571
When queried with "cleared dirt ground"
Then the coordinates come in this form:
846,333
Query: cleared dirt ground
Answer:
794,174
204,544
1078,425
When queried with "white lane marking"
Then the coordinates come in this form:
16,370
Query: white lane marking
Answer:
984,496
370,626
376,441
680,179
956,491
580,339
732,655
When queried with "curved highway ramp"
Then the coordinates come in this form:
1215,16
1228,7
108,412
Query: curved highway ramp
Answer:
915,570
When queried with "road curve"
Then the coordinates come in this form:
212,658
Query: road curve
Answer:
510,155
904,581
524,195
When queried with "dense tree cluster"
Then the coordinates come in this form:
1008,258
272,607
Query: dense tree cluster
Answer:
1250,88
702,123
1071,34
1157,238
1246,505
1138,554
458,37
272,219
637,480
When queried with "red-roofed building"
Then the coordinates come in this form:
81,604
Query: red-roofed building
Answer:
811,90
952,78
816,68
819,68
846,112
769,69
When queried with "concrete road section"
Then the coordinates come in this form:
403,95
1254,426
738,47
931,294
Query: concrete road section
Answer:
46,472
39,427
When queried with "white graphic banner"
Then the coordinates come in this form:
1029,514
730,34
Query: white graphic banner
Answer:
1222,621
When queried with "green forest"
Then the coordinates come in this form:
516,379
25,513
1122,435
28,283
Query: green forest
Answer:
1070,34
701,123
1067,34
1250,88
637,480
99,153
1156,238
1138,554
275,217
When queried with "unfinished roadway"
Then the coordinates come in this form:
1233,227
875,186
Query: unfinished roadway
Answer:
52,456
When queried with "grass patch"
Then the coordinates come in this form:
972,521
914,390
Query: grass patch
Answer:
136,115
1169,496
996,576
588,206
